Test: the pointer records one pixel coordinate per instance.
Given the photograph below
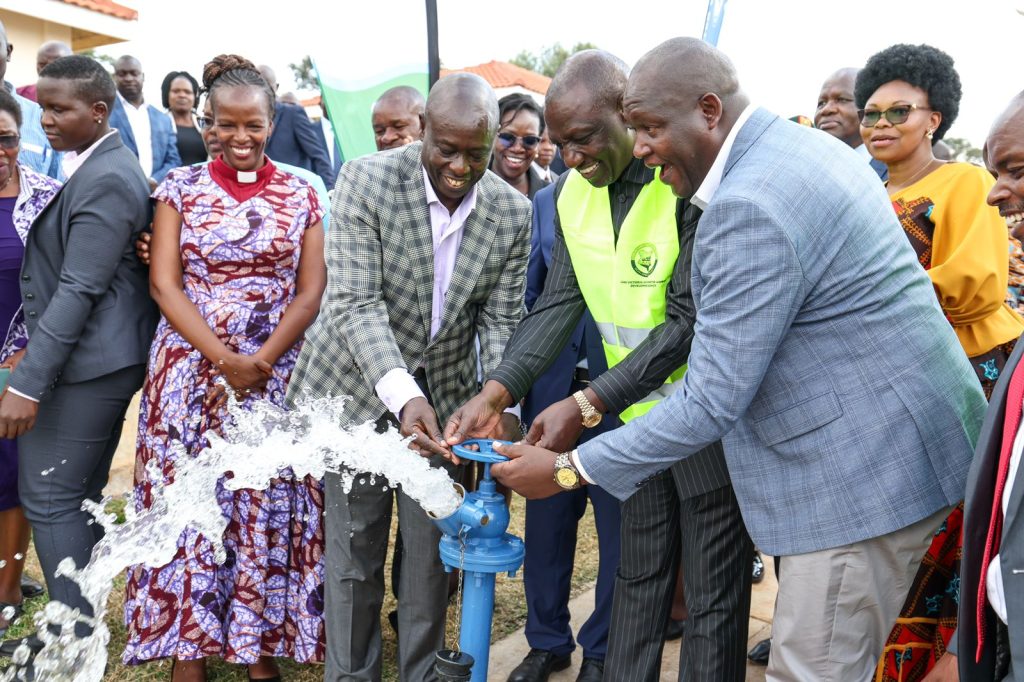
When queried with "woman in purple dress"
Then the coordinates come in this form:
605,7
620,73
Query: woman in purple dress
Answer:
238,272
23,195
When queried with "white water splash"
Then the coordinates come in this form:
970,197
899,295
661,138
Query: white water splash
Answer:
258,446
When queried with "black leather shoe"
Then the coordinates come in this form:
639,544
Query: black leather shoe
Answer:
761,651
674,629
758,568
30,587
538,665
8,647
591,670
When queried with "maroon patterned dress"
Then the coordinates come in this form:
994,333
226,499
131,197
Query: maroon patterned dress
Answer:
239,263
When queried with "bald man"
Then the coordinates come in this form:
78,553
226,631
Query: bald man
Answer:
397,117
48,52
836,114
989,644
427,251
820,357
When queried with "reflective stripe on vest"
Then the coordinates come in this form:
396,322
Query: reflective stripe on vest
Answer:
624,283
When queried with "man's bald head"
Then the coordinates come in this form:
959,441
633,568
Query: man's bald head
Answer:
583,109
268,75
599,73
397,117
682,98
51,51
129,78
462,119
464,96
1004,157
836,112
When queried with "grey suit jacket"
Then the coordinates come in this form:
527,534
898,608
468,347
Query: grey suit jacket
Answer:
820,356
981,484
85,293
375,314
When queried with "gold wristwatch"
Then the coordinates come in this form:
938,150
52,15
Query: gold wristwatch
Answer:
566,475
591,417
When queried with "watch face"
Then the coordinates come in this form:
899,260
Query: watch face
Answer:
566,478
592,421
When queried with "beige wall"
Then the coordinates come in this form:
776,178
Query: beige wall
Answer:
27,34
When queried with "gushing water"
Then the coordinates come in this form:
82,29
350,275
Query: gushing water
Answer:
257,445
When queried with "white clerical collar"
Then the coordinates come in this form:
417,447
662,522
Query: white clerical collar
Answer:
706,192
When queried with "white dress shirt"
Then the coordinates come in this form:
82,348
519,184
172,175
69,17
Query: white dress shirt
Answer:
328,129
994,577
398,387
701,198
70,162
138,119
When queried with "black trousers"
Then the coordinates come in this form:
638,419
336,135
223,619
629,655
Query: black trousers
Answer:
706,533
65,460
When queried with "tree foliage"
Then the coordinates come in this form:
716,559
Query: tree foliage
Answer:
549,59
963,150
304,74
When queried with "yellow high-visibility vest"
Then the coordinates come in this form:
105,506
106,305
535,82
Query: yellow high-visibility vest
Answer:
624,283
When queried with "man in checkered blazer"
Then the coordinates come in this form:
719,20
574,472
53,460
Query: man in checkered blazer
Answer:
427,252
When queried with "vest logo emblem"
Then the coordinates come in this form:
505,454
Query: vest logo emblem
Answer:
644,259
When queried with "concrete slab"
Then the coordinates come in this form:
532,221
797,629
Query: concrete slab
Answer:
509,652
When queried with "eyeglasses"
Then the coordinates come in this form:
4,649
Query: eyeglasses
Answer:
9,142
204,122
508,140
895,115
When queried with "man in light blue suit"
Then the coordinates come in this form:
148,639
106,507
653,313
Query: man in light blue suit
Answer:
846,406
148,132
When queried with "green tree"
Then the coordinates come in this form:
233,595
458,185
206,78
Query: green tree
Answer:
304,74
549,59
963,150
104,59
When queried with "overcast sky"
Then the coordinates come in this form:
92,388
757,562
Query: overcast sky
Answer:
783,49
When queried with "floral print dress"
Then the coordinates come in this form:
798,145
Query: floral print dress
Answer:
239,263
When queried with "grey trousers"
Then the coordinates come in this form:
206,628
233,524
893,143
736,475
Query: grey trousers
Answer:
356,534
65,460
705,532
836,607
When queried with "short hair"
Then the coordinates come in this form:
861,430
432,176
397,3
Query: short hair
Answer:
230,70
92,82
165,88
922,66
516,102
11,106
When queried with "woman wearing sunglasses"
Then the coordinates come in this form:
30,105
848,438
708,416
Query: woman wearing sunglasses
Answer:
517,143
909,96
23,195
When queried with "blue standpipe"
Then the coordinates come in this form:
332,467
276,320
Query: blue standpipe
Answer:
474,540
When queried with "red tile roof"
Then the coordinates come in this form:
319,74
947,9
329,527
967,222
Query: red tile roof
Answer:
106,7
504,75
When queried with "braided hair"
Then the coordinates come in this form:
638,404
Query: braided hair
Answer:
232,71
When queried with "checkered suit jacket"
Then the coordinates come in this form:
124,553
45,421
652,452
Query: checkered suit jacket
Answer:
820,356
375,314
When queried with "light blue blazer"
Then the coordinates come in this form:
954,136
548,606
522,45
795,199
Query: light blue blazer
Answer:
846,405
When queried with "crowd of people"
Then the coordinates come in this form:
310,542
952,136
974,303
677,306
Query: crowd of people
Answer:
722,329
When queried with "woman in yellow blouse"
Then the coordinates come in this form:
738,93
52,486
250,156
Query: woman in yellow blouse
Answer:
908,96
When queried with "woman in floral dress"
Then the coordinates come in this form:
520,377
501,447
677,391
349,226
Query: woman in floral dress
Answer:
238,272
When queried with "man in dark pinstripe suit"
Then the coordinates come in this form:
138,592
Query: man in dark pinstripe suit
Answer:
692,504
427,251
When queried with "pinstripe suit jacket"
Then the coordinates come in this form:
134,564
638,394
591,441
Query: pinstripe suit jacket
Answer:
375,314
847,406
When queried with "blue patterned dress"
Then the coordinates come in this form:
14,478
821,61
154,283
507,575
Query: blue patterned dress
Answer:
239,263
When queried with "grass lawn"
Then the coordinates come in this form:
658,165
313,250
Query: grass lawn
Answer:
509,613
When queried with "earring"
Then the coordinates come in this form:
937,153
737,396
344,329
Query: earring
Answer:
930,134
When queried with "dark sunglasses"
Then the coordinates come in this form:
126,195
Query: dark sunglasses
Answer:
508,140
9,142
895,115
